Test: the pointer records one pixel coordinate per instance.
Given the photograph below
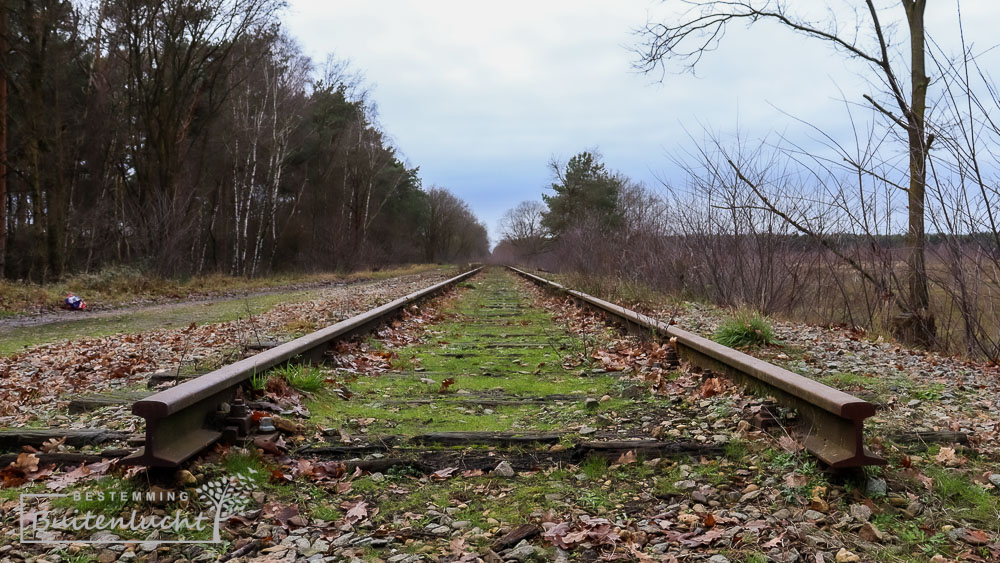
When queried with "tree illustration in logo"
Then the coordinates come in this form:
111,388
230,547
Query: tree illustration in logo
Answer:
228,495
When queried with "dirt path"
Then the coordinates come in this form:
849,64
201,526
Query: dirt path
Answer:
61,316
22,332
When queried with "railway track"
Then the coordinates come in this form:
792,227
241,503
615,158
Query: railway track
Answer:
495,375
496,379
499,372
834,432
509,413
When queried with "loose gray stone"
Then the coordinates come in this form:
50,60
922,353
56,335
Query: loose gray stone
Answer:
876,488
779,556
503,469
995,479
343,540
105,536
860,512
718,559
263,530
522,552
319,546
813,515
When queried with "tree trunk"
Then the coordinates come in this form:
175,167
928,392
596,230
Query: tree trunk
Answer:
3,139
917,325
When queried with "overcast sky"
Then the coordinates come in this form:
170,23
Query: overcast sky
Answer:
482,95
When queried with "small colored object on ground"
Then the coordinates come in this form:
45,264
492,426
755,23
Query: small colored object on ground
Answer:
75,303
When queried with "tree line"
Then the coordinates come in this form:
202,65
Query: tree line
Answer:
710,239
190,136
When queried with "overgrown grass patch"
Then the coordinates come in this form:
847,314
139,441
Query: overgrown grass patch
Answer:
962,498
106,495
745,329
306,377
258,381
412,419
736,450
248,463
326,512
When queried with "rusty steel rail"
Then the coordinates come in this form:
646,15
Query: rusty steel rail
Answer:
834,430
185,419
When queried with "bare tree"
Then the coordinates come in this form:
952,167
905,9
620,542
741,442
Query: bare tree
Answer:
522,226
701,28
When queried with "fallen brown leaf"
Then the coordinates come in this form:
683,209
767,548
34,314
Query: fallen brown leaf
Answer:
357,512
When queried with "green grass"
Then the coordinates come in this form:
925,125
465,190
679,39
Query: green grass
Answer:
325,511
930,392
518,498
965,499
246,462
85,556
99,501
745,329
14,493
258,381
736,450
470,343
594,468
913,537
595,500
421,418
404,363
306,378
